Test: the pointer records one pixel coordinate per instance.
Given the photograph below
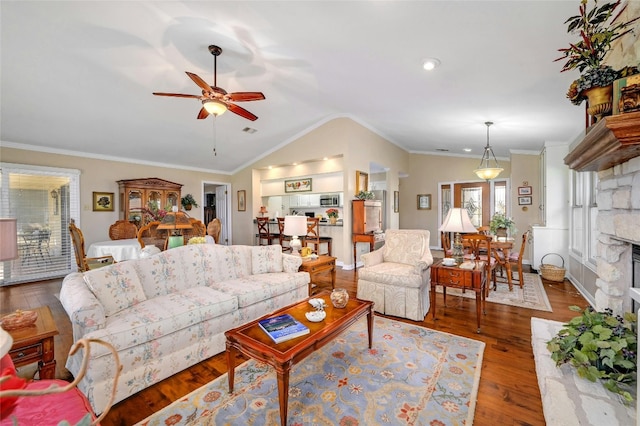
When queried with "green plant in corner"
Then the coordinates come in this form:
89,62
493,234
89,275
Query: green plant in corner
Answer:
188,200
600,346
500,220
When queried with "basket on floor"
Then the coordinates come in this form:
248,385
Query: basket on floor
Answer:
552,272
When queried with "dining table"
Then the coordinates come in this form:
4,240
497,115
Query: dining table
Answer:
120,250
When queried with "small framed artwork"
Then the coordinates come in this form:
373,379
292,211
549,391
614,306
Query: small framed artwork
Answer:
297,185
524,190
362,181
242,200
103,201
524,201
424,201
396,201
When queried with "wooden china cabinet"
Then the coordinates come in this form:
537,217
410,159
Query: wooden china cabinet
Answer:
138,193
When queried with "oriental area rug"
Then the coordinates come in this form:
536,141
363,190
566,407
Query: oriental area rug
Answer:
531,296
412,375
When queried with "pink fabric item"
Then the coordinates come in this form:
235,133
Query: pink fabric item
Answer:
71,406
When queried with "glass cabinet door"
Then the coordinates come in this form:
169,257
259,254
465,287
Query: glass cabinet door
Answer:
154,198
135,205
173,199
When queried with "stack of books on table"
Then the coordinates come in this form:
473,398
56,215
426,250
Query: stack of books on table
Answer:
283,327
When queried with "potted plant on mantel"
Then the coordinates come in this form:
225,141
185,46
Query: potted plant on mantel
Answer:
188,201
597,30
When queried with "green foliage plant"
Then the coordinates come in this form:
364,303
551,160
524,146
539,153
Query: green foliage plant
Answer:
500,220
188,200
599,345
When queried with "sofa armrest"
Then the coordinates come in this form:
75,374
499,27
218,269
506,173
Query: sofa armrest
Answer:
85,311
373,258
291,263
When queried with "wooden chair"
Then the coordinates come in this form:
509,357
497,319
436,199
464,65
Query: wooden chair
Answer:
445,238
313,237
264,234
149,234
86,263
123,230
213,229
484,230
197,230
479,245
283,238
516,257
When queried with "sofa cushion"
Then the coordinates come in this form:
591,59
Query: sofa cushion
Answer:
397,274
242,260
404,246
266,259
116,286
162,316
257,288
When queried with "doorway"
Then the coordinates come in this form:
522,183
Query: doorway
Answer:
217,204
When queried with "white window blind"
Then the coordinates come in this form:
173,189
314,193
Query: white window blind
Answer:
42,199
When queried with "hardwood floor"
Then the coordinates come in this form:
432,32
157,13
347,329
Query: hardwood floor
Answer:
508,392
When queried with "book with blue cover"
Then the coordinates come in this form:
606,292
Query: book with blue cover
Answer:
283,327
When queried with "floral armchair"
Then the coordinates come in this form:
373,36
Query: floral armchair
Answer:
396,276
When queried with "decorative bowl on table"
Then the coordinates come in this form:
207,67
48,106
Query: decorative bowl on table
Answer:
339,298
449,261
315,316
18,319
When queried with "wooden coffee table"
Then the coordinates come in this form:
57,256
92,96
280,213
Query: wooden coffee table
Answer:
253,342
35,344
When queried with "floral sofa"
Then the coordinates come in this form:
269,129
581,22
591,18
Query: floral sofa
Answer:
396,277
169,311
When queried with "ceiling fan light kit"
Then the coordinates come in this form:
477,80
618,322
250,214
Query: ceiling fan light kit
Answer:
484,170
215,100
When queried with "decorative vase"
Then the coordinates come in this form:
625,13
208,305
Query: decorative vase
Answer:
600,100
339,297
333,220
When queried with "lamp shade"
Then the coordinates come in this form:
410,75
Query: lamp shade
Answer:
263,210
175,220
457,220
295,225
8,239
214,106
488,173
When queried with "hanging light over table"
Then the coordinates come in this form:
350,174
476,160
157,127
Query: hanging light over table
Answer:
484,170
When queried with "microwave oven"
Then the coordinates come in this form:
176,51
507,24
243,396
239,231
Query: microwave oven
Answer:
329,200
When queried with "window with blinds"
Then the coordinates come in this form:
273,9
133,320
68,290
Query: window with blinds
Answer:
42,199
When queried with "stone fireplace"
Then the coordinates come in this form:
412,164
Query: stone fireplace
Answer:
612,148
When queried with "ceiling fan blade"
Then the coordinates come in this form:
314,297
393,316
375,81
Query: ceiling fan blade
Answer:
200,82
241,112
203,113
246,96
177,95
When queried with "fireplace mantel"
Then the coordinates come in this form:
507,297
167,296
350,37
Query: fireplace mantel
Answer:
611,141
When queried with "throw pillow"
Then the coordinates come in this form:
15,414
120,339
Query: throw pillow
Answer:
116,286
266,259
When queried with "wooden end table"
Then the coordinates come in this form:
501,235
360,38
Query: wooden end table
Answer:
253,342
35,344
317,266
466,279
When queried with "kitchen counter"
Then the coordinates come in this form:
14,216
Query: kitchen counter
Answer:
321,223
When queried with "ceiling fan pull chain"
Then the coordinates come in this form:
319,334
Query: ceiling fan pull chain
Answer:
215,139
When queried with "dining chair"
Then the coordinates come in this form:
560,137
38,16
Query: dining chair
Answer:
479,247
283,238
313,237
123,230
213,229
445,238
516,257
85,263
197,230
149,234
264,234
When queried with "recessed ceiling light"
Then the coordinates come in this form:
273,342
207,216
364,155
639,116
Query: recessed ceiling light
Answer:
249,130
325,158
430,64
467,150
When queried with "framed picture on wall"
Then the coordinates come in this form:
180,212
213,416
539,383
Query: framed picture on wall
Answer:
524,201
297,185
524,190
424,201
103,201
242,200
396,201
362,181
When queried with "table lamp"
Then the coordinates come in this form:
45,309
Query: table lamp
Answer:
175,221
262,211
295,226
8,239
457,221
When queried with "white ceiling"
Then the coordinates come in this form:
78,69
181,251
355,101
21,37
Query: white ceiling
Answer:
78,76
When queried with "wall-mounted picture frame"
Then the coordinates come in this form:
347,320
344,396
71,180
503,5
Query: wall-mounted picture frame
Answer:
524,201
242,200
524,190
396,201
424,201
103,201
362,181
297,185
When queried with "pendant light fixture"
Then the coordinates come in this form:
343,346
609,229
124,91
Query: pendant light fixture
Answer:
484,170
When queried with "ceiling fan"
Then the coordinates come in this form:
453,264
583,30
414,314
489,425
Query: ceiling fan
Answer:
216,100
